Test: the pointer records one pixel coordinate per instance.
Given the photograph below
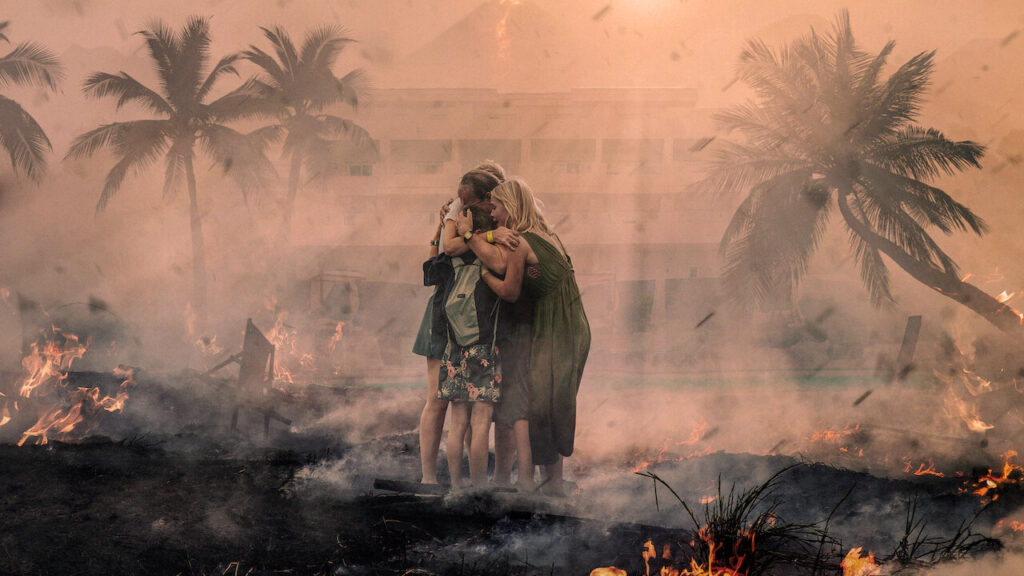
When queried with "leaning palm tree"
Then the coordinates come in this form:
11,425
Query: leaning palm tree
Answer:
827,132
296,88
20,135
185,119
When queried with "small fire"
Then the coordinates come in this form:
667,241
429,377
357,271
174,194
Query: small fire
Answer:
922,469
608,571
47,365
1010,474
336,337
856,565
1004,297
834,435
1015,526
697,433
64,411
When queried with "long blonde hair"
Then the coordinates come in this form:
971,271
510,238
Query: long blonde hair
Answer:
518,200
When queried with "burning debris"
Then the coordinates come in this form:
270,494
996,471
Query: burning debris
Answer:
63,409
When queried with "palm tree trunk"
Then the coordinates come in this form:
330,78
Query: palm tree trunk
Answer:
294,175
997,313
198,249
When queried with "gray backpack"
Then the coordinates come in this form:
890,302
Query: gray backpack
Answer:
460,306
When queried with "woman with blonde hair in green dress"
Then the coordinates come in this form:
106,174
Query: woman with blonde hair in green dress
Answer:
540,269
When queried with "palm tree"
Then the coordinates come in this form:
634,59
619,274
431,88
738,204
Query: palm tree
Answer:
27,65
296,88
185,119
824,132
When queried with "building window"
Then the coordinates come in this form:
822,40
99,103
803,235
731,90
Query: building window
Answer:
420,157
360,169
429,167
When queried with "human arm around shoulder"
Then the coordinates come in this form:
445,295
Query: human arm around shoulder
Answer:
492,256
511,287
454,245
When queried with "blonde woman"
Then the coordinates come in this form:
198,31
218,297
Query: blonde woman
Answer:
541,270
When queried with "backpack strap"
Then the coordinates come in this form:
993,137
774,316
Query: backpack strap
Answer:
494,336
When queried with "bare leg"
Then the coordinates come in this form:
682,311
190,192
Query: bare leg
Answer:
521,431
481,432
456,437
552,483
431,423
504,453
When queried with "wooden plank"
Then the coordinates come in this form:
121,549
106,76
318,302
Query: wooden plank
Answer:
409,487
906,356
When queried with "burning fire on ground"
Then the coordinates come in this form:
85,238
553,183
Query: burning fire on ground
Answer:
64,413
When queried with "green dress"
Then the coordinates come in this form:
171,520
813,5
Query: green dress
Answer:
559,346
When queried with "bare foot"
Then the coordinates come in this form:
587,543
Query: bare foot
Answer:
525,485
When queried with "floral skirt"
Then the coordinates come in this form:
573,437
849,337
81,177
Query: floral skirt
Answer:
470,374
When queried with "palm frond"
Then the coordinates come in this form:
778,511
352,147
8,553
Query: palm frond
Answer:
117,136
246,101
931,203
241,156
321,46
889,220
336,127
174,171
138,144
736,167
868,81
771,237
195,53
31,64
225,65
284,48
873,272
351,87
898,102
163,49
3,26
924,154
278,78
125,89
23,139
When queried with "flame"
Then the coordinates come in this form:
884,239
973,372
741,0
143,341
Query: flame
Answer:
922,469
715,567
834,435
336,337
47,366
608,571
501,38
1014,525
50,363
856,565
969,414
697,433
1004,297
1011,474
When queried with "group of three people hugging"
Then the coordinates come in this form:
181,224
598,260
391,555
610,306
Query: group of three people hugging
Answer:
520,366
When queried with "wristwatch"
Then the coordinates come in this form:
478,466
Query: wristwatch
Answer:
467,235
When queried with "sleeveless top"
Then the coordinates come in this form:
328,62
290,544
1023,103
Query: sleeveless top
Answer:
560,343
